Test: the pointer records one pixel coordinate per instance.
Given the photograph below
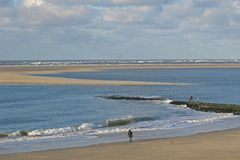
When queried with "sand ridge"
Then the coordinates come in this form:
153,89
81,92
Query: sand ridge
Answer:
20,74
25,75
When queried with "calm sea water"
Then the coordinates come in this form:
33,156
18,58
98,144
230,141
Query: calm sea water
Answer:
75,115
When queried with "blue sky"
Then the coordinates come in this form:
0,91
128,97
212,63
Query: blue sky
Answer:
119,29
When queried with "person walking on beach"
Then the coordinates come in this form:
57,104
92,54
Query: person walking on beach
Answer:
130,135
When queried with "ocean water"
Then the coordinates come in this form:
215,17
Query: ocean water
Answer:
57,116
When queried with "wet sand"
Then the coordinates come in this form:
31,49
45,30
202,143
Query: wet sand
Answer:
24,74
222,145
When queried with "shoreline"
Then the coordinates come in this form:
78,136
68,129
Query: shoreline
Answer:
24,74
84,141
219,145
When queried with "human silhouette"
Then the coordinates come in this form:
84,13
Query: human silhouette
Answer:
190,99
130,135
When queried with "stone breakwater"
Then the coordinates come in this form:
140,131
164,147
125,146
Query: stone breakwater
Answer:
198,106
210,107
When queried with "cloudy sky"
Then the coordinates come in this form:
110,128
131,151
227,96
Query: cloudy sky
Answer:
119,29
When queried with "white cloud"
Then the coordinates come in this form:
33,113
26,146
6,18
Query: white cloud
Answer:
32,14
32,3
5,22
137,2
126,15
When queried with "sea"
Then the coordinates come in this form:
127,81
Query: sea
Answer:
42,117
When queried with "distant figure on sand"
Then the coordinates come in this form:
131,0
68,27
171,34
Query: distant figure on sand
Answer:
130,135
190,99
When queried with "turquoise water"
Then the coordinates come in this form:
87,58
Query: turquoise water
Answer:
75,115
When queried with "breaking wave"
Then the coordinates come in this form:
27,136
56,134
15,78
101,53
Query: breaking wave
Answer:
127,120
76,130
50,132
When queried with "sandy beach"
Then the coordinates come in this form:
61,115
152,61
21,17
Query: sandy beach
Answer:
221,145
24,74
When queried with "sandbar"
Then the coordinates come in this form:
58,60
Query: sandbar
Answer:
220,145
21,74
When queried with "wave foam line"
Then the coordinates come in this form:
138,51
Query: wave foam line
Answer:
84,127
52,131
200,121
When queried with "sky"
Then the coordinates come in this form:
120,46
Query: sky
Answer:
119,29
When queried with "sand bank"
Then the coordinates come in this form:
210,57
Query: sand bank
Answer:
23,74
222,145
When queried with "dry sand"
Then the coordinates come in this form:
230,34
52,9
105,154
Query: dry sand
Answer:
223,145
23,74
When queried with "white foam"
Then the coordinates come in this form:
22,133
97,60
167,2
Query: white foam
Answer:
85,126
55,131
14,134
167,101
218,116
108,131
209,118
164,101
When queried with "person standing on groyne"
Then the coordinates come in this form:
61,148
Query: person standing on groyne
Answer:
190,99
